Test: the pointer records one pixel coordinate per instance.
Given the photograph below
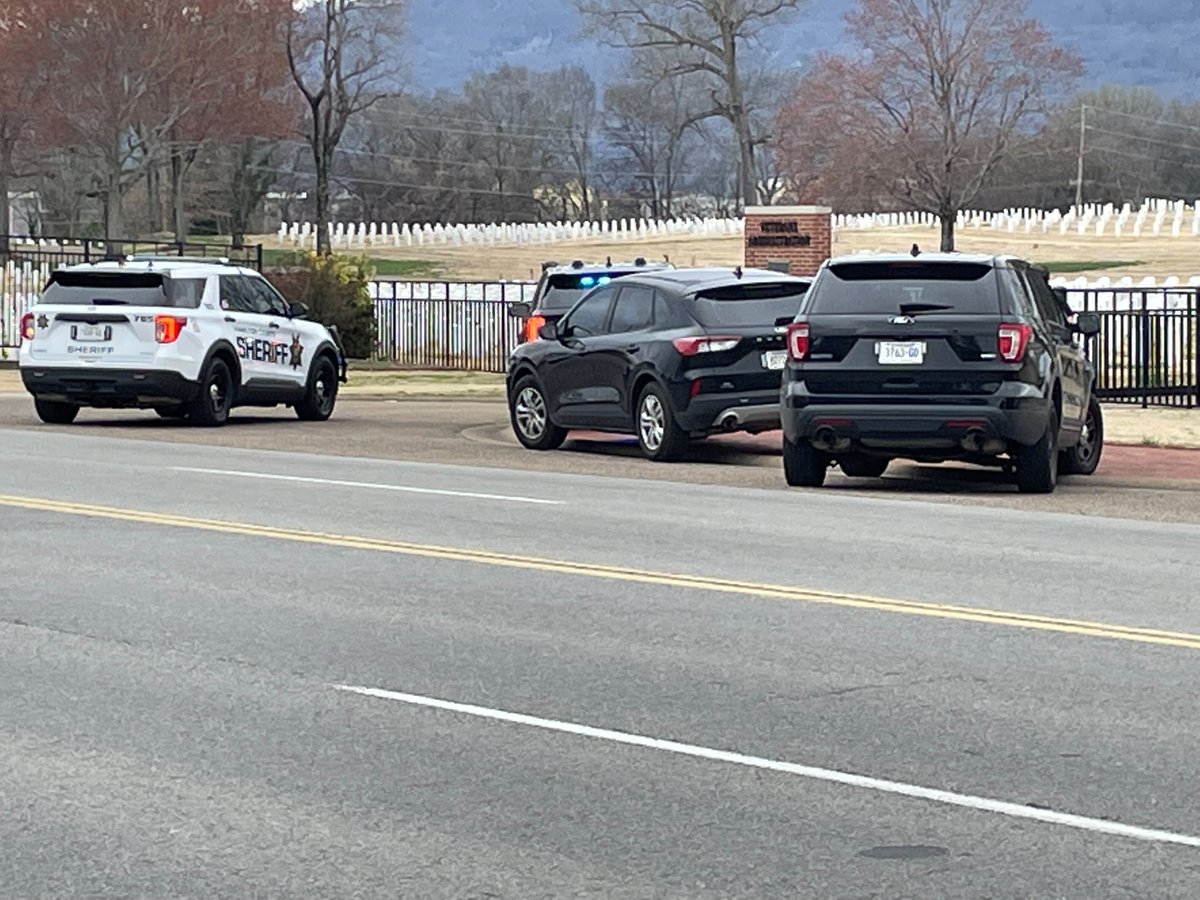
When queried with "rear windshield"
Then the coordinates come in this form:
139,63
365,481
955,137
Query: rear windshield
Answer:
123,289
749,304
562,291
906,287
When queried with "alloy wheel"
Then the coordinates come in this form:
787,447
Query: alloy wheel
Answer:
531,413
652,422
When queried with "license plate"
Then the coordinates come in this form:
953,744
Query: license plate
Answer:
91,332
774,359
906,353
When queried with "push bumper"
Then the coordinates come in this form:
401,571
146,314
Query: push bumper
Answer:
947,426
109,388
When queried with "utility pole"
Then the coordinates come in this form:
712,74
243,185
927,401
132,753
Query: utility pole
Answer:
1082,142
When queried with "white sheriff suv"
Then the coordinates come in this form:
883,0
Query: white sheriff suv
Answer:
188,338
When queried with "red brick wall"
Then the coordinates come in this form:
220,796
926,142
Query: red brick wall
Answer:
801,236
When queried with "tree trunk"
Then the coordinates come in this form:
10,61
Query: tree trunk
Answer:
740,120
179,223
114,213
5,206
947,218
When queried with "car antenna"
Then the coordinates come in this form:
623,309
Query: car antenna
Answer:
737,272
608,262
916,251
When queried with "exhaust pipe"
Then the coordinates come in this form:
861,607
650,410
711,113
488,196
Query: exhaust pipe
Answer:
973,441
730,422
825,438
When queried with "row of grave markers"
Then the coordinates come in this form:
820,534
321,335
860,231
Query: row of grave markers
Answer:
375,234
1153,218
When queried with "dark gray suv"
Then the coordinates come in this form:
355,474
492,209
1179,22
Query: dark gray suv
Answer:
935,357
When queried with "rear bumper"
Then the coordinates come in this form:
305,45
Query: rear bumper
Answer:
756,411
109,388
933,426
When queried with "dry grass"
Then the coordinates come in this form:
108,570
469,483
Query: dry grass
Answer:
1160,256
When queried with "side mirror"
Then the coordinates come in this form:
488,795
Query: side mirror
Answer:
520,310
297,311
1087,324
549,332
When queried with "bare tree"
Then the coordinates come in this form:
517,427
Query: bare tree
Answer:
574,116
342,58
512,105
704,39
114,61
940,92
648,120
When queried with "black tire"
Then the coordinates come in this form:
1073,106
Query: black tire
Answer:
171,412
1037,466
803,464
54,412
530,416
1084,457
863,466
211,407
658,434
321,394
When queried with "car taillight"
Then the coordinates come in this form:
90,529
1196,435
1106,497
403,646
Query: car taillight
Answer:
167,328
532,326
797,341
1014,339
27,329
692,346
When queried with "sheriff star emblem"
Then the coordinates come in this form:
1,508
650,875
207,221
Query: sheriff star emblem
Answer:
297,352
43,321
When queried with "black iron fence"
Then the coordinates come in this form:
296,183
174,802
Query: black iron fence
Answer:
448,325
1146,352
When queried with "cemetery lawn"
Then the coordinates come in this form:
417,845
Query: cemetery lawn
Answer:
385,266
1075,254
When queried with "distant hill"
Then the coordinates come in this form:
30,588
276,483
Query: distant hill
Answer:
1148,42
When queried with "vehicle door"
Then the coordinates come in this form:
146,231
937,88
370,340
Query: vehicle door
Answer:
569,371
616,356
246,326
1069,356
291,339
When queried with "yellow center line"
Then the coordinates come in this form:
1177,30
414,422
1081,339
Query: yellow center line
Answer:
622,573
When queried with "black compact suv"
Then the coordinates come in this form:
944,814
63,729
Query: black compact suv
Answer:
560,287
669,356
935,357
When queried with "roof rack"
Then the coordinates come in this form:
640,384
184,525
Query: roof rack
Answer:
209,260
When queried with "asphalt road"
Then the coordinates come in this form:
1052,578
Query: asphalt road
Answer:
1135,483
565,684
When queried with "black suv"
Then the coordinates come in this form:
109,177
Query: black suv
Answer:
934,357
560,287
668,355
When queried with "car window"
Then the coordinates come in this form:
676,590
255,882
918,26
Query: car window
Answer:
234,296
266,300
564,290
1047,304
634,309
763,303
187,292
588,318
121,289
857,288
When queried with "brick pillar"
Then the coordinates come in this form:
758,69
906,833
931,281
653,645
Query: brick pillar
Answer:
794,239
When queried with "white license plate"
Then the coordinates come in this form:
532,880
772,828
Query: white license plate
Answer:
906,353
92,332
774,359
